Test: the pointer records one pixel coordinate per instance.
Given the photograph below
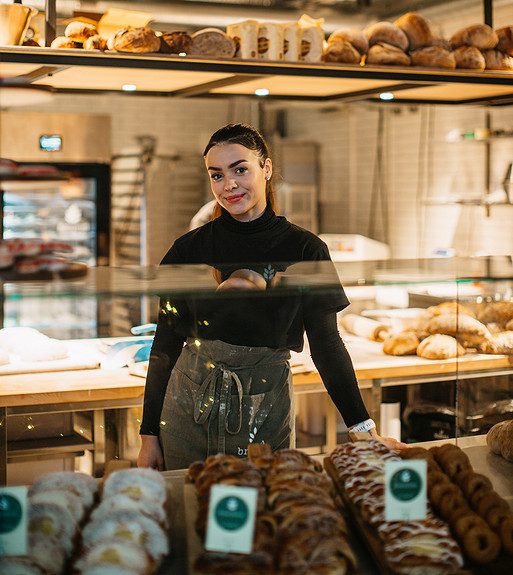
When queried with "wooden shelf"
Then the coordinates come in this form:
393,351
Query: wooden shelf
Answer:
68,71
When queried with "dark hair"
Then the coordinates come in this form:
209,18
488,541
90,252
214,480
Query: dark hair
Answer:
251,139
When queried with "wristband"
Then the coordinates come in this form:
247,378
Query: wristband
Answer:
366,425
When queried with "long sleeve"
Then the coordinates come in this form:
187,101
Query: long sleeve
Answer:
334,364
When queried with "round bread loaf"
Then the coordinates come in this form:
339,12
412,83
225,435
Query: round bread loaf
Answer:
175,42
63,42
440,346
499,312
403,343
495,60
481,36
386,32
434,56
505,44
469,57
437,40
80,31
95,43
139,40
501,342
352,35
383,53
450,307
342,51
416,28
500,439
467,329
212,42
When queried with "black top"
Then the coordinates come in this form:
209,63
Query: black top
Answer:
269,245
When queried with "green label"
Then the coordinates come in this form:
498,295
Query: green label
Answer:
405,484
231,513
10,513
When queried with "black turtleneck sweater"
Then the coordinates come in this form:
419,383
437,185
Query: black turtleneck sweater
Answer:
269,245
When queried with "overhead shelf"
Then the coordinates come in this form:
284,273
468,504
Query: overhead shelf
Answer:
176,76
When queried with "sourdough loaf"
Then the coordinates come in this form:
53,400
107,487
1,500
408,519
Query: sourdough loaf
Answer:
505,44
388,33
211,42
500,439
499,312
434,56
416,28
481,36
383,53
352,35
174,42
138,40
469,57
342,51
495,60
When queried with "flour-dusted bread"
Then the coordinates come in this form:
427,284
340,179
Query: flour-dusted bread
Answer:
387,33
342,51
383,53
468,330
439,346
175,42
450,307
469,57
95,43
499,312
63,42
354,36
500,439
495,60
437,40
80,31
416,28
501,343
481,36
434,56
402,343
505,44
212,42
138,40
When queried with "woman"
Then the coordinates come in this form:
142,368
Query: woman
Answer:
231,385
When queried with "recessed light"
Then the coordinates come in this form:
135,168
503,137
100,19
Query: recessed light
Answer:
261,92
129,87
386,96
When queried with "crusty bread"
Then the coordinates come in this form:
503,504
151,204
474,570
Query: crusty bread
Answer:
416,28
402,343
212,42
352,35
467,329
342,51
388,33
80,31
95,43
175,42
450,307
437,40
469,57
501,342
500,439
481,36
63,42
509,325
505,44
495,60
434,56
383,53
139,40
499,312
439,346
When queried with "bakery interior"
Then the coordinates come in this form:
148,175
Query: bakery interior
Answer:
404,171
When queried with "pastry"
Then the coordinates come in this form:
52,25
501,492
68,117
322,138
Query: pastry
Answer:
95,43
403,343
439,346
416,28
63,42
80,31
387,33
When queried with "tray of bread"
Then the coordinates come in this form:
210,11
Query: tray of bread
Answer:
468,527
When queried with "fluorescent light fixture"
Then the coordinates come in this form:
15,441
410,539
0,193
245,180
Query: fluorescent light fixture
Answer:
386,96
262,92
129,87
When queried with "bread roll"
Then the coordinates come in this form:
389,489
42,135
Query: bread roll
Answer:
437,40
500,439
139,40
342,51
174,42
212,42
450,307
352,35
499,343
95,43
416,28
388,33
469,57
403,343
63,42
505,43
435,56
440,346
80,31
383,53
492,437
499,312
495,60
467,329
481,36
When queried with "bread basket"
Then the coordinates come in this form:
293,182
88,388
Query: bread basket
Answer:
14,21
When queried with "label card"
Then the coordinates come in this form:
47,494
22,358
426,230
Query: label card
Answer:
231,519
13,520
405,490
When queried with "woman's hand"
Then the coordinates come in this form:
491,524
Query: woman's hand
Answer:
150,454
390,442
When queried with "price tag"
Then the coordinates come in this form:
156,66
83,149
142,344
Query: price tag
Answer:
13,520
231,518
405,490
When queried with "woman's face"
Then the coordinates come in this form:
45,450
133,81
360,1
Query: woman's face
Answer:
237,180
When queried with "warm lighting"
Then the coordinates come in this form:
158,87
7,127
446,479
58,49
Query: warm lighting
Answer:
386,96
30,426
129,87
197,342
18,92
261,92
182,54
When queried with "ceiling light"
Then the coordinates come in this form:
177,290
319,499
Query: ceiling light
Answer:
262,92
129,87
386,96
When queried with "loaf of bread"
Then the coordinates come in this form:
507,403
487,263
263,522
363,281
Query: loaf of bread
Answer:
403,343
434,56
468,330
505,44
450,307
437,40
355,37
501,343
495,60
469,57
416,28
138,40
383,53
439,346
174,42
386,32
342,51
500,439
481,36
80,31
499,312
95,43
212,42
63,42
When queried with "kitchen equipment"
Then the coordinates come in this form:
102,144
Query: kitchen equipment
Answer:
14,21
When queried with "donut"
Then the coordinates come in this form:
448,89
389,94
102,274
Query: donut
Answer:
470,482
481,544
436,477
450,503
491,500
454,461
462,525
440,490
459,512
495,516
506,534
477,496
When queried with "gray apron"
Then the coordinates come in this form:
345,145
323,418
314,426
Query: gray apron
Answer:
221,397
